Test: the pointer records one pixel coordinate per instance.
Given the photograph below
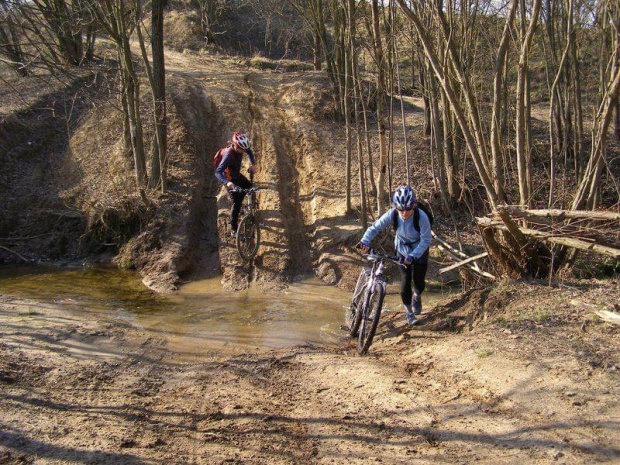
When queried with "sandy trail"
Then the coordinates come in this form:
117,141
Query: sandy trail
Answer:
108,392
535,380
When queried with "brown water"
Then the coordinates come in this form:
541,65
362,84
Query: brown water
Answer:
201,316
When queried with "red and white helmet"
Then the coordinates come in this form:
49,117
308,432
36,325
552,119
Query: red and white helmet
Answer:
241,140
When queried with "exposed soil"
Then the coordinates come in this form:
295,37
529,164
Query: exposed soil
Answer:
518,372
536,380
97,212
300,171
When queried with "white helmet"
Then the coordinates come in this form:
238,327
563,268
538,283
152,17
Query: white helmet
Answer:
241,140
404,198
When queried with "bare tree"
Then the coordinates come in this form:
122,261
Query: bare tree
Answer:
381,94
119,24
211,11
65,22
587,194
158,86
10,45
468,121
523,122
157,80
498,101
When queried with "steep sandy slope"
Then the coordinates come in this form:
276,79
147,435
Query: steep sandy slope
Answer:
85,182
301,163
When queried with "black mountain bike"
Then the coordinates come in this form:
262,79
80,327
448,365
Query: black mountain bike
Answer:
247,238
363,314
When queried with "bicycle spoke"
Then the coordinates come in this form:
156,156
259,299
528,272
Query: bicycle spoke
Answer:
354,315
370,318
248,237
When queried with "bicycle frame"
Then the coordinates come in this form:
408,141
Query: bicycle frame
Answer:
376,276
251,201
364,321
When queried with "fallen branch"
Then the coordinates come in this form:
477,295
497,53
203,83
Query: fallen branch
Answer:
15,253
458,255
464,262
605,315
609,317
455,252
64,213
566,241
562,214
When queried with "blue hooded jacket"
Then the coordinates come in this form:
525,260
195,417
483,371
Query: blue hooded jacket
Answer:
409,243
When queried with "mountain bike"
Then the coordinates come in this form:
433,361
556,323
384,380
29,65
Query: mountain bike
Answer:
247,238
363,314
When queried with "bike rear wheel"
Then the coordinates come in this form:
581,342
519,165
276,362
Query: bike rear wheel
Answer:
248,237
370,318
353,315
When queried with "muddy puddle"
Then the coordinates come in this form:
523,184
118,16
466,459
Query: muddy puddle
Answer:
201,316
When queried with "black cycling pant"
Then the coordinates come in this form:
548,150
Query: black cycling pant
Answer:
237,199
417,271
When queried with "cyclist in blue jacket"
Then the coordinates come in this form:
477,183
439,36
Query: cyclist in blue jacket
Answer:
411,246
228,172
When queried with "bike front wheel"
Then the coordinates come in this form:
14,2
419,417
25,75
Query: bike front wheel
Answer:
248,237
353,315
370,318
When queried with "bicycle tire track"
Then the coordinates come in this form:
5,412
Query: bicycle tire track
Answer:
285,247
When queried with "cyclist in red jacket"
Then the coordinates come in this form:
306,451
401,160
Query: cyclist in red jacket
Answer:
228,172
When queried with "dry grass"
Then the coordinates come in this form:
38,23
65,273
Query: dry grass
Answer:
283,65
183,31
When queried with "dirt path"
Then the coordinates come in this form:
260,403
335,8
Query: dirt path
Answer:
521,389
302,208
514,374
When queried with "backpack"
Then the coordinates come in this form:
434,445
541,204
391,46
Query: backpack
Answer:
217,159
422,205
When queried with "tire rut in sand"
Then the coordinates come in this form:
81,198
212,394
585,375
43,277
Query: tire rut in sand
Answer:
288,189
285,251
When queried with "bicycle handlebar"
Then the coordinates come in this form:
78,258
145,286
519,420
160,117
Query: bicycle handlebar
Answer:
245,191
376,256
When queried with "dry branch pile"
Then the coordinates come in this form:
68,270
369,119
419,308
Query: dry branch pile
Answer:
525,243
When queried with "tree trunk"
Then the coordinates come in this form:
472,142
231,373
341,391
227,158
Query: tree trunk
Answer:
359,98
579,132
11,48
498,85
450,156
523,122
158,162
348,81
383,156
477,152
317,52
552,109
587,191
132,93
58,15
617,120
371,175
438,138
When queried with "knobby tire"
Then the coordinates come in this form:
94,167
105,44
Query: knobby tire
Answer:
370,319
248,237
354,312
